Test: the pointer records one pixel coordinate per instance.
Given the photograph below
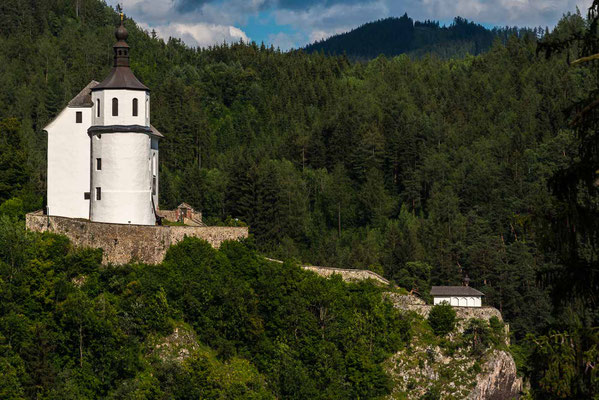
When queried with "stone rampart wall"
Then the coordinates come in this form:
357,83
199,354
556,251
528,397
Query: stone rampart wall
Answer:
124,243
347,274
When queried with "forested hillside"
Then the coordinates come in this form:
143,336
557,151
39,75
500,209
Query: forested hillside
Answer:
421,170
394,36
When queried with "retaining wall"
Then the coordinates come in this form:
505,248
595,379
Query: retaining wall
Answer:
347,275
124,243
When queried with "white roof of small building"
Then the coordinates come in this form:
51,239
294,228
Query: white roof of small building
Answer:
439,291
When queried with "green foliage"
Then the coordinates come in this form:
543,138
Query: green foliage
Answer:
432,394
395,36
70,328
442,318
429,168
479,335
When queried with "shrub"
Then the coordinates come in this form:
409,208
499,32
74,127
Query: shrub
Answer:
432,393
442,319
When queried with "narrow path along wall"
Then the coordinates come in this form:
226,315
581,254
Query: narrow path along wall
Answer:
124,243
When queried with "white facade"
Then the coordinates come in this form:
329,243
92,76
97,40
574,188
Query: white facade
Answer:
68,163
103,152
459,301
103,99
124,163
122,188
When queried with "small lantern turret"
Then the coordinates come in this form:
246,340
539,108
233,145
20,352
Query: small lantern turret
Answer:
121,48
466,280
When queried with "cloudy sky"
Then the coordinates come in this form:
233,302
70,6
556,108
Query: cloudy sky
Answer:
294,23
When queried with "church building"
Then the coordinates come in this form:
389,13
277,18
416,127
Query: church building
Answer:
103,151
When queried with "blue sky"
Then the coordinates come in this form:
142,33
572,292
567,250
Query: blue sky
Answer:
295,23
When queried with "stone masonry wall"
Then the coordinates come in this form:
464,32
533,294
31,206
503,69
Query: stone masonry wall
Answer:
348,275
124,243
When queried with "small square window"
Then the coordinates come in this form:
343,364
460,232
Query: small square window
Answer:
86,195
98,164
98,193
79,117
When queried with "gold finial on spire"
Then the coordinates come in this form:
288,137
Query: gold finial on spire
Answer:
122,17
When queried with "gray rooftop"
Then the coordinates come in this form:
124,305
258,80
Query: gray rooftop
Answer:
84,98
155,131
437,291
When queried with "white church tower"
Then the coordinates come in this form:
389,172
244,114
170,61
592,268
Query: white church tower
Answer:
103,151
124,146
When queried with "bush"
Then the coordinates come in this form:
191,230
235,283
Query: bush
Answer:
442,319
478,335
432,393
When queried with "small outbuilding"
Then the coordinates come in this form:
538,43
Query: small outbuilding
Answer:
457,296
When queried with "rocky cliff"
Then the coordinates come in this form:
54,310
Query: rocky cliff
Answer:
449,367
498,380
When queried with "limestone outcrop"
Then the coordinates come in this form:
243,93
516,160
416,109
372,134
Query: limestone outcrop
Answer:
498,380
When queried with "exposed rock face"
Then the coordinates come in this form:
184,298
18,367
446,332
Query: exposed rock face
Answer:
415,370
177,346
498,381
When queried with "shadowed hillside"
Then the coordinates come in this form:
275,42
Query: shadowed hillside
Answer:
394,36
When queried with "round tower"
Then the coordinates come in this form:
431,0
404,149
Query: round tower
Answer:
124,147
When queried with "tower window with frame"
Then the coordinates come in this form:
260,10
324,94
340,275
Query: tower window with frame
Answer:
98,108
98,193
78,117
135,107
98,164
115,107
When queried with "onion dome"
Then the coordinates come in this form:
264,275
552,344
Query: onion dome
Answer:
121,76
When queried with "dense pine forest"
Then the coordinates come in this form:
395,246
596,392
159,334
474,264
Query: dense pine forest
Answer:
395,36
421,170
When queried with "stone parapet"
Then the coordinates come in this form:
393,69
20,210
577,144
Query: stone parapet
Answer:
347,275
123,243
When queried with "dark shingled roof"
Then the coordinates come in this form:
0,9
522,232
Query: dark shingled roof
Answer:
84,98
455,291
121,78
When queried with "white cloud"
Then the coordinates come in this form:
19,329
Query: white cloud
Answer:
286,41
495,12
215,21
320,22
201,35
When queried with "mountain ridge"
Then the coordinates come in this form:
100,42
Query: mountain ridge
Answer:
394,36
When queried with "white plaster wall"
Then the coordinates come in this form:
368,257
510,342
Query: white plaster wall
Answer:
468,301
125,179
68,164
439,300
125,116
98,118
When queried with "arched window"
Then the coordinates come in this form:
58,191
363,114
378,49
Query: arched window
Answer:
115,107
147,107
135,107
98,108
